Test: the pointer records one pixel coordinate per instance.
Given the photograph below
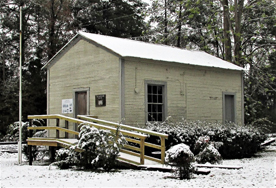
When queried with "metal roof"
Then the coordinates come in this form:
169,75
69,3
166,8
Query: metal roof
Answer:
131,48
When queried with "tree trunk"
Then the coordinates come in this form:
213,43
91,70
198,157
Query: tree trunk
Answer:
237,34
179,26
226,31
3,67
51,45
166,24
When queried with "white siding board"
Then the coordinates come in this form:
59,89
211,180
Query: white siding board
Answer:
201,89
86,66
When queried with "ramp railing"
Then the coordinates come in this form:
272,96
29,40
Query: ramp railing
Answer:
142,144
134,135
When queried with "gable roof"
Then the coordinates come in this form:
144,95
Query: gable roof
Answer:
138,49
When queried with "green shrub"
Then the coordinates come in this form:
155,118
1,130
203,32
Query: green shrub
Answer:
238,141
206,151
25,151
13,130
36,152
181,157
100,148
62,159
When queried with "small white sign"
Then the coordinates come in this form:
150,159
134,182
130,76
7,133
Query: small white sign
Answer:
67,106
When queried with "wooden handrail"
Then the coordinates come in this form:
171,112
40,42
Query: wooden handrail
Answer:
127,127
139,134
79,121
54,128
142,143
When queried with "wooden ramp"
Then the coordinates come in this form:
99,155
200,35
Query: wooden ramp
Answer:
132,153
66,143
135,160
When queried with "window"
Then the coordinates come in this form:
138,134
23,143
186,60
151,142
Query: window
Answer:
155,101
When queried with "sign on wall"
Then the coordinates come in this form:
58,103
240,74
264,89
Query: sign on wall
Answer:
67,106
100,100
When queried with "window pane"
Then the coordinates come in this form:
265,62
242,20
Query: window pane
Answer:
149,89
150,117
149,108
160,108
154,116
160,90
160,99
154,108
160,117
154,98
154,89
150,98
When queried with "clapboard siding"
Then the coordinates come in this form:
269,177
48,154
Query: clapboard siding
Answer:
193,92
86,66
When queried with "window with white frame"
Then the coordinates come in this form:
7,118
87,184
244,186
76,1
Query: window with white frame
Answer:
155,95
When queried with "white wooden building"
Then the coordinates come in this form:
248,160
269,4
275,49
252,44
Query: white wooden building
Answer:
133,82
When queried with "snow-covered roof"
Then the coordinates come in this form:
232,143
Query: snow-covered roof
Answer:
138,49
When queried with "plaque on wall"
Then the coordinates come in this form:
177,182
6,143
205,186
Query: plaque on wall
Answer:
100,100
67,106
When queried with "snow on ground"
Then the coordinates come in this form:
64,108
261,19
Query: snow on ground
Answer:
257,172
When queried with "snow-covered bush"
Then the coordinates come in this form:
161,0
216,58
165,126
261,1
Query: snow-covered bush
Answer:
181,157
62,159
100,148
205,151
13,130
38,152
209,154
238,141
201,143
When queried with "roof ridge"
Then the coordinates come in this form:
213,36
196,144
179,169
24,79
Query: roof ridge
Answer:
148,43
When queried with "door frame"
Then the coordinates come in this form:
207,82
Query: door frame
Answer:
223,106
78,90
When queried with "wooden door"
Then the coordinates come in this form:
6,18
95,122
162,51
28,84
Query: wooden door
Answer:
229,108
80,105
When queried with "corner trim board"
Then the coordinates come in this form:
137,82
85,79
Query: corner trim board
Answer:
122,89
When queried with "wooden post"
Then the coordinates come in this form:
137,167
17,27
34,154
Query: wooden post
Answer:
52,153
66,127
30,154
163,148
142,151
30,134
57,125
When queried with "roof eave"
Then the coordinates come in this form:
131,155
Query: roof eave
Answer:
234,69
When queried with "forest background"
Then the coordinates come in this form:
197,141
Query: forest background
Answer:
239,31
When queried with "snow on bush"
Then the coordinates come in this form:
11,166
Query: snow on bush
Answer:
38,152
181,156
13,130
100,149
238,141
63,161
177,151
201,143
205,151
209,154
